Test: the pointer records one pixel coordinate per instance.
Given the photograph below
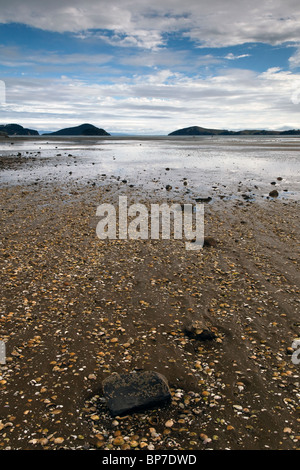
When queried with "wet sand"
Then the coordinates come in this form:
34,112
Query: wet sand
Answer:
75,309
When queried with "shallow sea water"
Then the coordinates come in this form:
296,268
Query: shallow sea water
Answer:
201,165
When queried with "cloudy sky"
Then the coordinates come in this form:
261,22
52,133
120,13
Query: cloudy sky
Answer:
142,67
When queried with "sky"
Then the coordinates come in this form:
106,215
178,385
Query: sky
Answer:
149,68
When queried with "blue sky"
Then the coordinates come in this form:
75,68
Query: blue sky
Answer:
150,68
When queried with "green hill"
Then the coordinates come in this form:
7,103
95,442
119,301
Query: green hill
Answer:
195,130
83,129
16,129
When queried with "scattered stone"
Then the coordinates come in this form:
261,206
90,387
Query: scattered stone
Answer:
274,193
126,393
168,187
248,294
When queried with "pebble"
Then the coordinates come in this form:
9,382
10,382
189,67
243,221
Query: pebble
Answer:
169,423
215,395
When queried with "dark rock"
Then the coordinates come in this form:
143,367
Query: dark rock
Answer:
246,196
274,193
137,391
210,241
203,199
199,331
168,187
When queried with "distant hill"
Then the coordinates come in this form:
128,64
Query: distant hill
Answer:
83,129
16,129
195,130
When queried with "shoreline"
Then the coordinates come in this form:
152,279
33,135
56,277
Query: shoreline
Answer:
75,309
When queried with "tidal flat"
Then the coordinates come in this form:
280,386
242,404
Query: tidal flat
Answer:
75,309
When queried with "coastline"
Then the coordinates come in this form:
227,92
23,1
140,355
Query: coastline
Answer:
75,309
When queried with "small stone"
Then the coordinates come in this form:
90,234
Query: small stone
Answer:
95,417
134,444
230,428
274,193
44,441
205,439
203,199
58,440
237,407
118,441
169,423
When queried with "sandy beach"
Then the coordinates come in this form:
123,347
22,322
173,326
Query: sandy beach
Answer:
74,309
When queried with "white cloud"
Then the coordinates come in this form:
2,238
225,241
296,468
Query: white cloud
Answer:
294,60
231,56
13,56
159,102
143,24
